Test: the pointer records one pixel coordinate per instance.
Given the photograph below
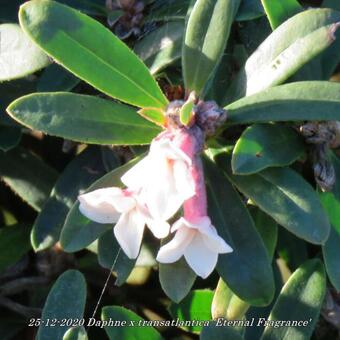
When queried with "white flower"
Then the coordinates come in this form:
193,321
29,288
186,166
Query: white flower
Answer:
123,207
164,178
198,242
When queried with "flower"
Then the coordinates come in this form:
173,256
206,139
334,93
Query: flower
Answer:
198,242
163,177
123,207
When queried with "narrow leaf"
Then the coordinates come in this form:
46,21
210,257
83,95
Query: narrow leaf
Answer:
310,100
279,11
28,176
285,51
77,176
266,145
82,118
162,46
205,39
90,51
19,56
66,300
306,289
248,276
286,197
196,306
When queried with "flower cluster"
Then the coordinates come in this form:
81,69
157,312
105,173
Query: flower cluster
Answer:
169,178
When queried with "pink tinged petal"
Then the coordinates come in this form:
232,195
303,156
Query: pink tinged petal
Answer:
184,182
136,177
199,257
172,251
129,232
99,205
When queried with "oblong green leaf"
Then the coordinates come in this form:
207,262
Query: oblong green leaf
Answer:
19,56
266,145
205,39
28,176
77,176
176,279
279,11
249,10
331,255
248,276
66,300
310,100
162,46
132,325
286,197
90,51
79,231
196,306
82,118
305,290
216,331
285,51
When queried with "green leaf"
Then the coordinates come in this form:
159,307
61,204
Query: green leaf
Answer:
248,276
154,115
196,306
76,333
77,176
331,255
162,46
305,290
82,118
249,10
66,300
19,56
14,243
92,7
267,228
266,145
279,11
216,332
165,10
285,51
334,4
176,279
78,231
28,176
331,200
56,78
286,197
130,325
310,100
111,256
90,51
221,300
205,39
9,137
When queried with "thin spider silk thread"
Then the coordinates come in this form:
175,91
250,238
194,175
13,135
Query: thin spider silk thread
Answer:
105,285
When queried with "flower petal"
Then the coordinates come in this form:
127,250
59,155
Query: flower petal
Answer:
98,205
199,257
160,229
172,251
129,232
136,177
